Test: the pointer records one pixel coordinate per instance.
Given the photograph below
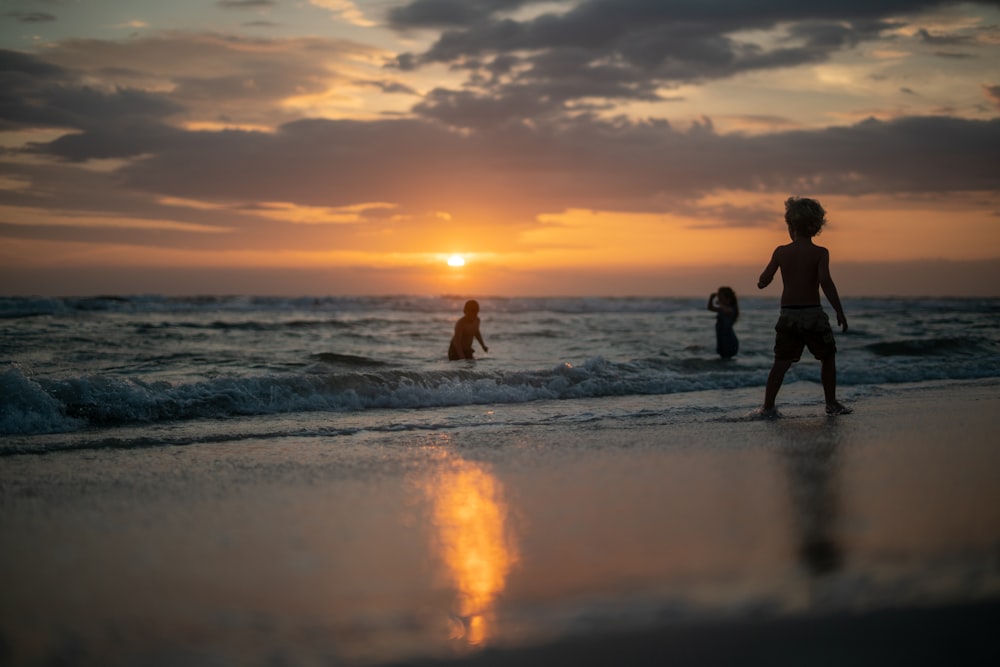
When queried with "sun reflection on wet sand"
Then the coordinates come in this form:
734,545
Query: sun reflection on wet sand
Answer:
473,540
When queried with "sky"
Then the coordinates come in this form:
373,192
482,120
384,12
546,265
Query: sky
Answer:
564,147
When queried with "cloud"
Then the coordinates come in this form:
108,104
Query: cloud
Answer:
992,93
345,10
197,77
14,64
32,17
134,24
246,4
653,34
39,95
629,49
530,150
234,125
955,55
943,40
450,13
520,172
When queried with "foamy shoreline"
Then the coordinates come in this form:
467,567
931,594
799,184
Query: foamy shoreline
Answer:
613,538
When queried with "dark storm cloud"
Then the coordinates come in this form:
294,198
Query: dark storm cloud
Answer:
15,64
449,13
569,163
115,141
311,162
34,94
626,49
555,84
928,154
620,14
656,30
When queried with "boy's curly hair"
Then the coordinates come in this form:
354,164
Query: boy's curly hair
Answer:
804,216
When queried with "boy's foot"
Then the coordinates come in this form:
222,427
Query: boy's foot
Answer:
835,408
764,413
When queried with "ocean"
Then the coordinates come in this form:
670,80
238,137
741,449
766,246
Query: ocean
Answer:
301,481
121,371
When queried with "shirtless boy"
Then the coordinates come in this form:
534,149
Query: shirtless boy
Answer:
466,330
805,268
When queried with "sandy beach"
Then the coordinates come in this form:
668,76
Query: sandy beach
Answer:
867,539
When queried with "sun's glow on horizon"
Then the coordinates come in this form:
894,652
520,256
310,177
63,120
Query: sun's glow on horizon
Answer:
575,251
219,126
861,228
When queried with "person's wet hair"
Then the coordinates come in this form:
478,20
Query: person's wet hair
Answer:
731,296
804,216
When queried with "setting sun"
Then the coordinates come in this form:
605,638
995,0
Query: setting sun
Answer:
603,187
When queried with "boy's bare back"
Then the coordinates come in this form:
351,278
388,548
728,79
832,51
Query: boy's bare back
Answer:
805,267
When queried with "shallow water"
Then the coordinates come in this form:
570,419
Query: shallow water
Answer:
173,366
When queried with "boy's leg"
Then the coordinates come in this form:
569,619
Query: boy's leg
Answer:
774,380
828,375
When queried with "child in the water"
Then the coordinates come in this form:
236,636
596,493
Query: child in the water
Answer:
466,330
727,310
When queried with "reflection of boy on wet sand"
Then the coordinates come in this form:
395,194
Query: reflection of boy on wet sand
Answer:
466,329
805,268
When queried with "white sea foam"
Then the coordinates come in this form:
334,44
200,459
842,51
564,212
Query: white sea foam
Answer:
75,364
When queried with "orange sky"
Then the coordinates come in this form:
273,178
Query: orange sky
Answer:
352,147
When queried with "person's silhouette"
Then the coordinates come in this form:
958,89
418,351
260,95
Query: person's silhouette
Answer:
727,310
805,268
466,330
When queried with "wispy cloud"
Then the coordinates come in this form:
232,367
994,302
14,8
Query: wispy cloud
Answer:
993,95
246,4
31,17
344,10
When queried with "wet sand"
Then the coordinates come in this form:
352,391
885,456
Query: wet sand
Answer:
867,539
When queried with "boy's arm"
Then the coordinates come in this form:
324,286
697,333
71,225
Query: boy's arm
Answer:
830,290
479,337
768,275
